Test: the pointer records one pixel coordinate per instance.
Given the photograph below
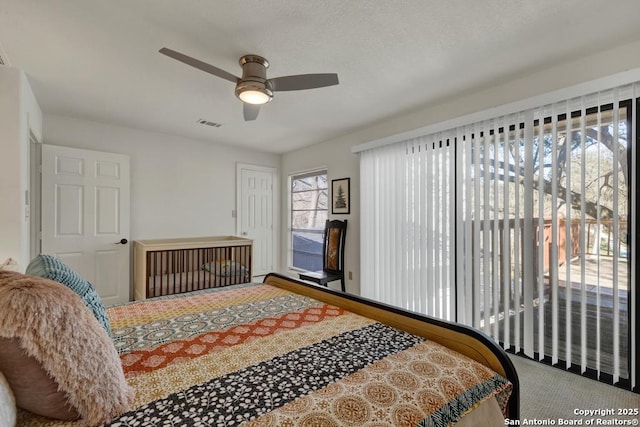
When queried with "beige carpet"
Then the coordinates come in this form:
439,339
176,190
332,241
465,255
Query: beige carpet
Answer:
553,394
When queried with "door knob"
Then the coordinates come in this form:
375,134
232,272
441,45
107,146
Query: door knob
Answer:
122,242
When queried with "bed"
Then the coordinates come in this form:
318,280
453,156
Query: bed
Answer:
289,353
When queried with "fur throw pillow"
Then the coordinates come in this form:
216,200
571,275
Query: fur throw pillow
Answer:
53,268
51,325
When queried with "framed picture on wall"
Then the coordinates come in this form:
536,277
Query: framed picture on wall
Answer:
340,195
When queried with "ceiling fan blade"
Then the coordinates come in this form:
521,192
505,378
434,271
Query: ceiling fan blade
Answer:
303,81
250,111
208,68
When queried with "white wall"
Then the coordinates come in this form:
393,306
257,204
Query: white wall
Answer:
180,187
336,154
340,163
19,115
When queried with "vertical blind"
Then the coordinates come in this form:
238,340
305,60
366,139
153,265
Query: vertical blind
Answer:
409,225
520,225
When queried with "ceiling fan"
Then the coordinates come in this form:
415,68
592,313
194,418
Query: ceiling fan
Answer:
254,89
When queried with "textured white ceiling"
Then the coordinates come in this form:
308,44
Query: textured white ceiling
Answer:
99,60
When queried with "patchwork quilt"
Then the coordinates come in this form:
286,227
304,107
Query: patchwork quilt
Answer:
257,355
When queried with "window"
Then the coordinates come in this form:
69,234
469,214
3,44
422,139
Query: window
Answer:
309,208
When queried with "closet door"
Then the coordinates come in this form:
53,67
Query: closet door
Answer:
256,214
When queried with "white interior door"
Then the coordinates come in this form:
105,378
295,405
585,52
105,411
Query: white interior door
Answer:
85,216
256,213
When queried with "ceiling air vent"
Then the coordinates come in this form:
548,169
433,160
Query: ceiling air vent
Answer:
208,123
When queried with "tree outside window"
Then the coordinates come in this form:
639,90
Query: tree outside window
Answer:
309,210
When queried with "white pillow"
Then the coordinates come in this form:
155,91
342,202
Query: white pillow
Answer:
7,404
9,264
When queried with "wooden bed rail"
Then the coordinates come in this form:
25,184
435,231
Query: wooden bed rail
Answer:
461,338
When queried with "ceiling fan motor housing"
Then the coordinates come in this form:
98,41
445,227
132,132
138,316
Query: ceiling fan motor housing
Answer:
254,76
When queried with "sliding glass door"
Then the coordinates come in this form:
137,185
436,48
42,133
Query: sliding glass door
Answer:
545,208
520,226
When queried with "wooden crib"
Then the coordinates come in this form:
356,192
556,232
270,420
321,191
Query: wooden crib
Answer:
175,266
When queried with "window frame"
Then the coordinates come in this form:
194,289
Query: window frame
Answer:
290,228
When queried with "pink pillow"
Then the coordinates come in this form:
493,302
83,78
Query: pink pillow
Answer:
32,387
56,356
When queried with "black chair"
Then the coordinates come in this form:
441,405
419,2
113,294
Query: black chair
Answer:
332,255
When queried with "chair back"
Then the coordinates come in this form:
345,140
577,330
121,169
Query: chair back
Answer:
335,233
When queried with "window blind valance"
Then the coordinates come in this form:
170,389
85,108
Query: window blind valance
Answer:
572,92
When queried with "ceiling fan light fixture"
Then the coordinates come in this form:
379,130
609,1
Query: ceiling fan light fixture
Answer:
255,93
254,97
253,88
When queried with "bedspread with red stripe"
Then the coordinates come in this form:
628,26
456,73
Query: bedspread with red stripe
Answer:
257,355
